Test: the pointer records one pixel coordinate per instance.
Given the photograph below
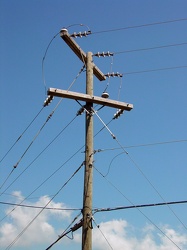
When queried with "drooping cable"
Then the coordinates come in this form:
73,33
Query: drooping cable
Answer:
140,26
21,135
139,169
66,231
38,207
29,224
159,229
43,59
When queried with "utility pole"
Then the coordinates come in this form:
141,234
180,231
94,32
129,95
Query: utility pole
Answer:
87,194
89,98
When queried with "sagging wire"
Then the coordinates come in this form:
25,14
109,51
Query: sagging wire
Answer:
21,135
138,209
43,59
139,169
38,207
66,231
29,224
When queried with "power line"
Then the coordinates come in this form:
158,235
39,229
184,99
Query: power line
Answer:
21,135
154,70
38,207
144,145
140,26
46,178
137,209
139,206
29,224
150,48
139,169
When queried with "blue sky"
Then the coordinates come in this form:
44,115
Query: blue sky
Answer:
153,133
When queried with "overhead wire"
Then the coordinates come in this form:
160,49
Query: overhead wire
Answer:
66,231
43,59
29,224
21,135
38,155
145,145
139,206
154,70
37,134
159,229
150,48
93,219
139,26
38,207
139,169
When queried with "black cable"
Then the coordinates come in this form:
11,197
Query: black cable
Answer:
150,48
154,70
29,224
144,145
139,169
140,26
21,135
38,207
32,163
139,206
43,75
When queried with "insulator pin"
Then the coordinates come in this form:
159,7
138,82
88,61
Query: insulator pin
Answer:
118,113
48,100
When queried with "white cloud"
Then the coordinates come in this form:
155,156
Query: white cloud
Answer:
40,230
120,235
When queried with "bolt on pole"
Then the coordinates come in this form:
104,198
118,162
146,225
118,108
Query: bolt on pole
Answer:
87,193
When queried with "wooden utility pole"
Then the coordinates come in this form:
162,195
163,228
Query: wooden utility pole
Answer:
89,98
87,194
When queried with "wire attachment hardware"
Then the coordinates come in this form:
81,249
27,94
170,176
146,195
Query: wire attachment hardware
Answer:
114,74
48,100
81,34
103,54
81,110
118,113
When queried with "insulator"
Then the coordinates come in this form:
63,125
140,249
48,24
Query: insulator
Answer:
48,100
105,95
118,113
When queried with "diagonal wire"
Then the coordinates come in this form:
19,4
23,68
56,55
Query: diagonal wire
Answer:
48,118
102,233
138,209
139,169
30,223
66,231
21,135
140,26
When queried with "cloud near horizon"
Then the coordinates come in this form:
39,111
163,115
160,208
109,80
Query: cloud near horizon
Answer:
113,234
